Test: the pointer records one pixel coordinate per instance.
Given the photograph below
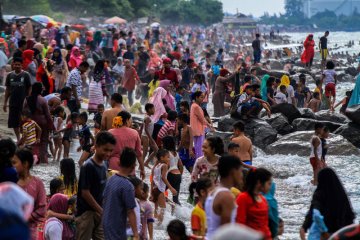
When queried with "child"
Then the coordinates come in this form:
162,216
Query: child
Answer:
68,175
198,216
160,183
186,148
56,186
138,185
178,98
344,102
168,128
98,117
175,166
30,134
147,215
86,138
7,151
176,230
147,132
316,151
320,90
23,162
324,145
185,108
58,120
280,96
68,132
200,85
234,149
315,102
329,77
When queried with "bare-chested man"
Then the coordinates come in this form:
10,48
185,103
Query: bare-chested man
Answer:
246,152
109,114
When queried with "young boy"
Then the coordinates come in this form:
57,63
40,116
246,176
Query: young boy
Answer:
147,215
86,138
178,97
168,129
329,77
324,145
30,133
233,149
92,183
315,102
245,152
186,148
280,96
98,117
68,132
147,132
316,151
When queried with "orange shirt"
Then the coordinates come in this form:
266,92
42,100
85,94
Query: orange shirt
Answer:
197,120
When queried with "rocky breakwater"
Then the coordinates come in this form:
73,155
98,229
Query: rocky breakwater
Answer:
289,130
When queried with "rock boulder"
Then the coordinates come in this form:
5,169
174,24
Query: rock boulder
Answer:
226,123
288,110
260,132
280,123
353,113
307,124
351,132
306,113
326,115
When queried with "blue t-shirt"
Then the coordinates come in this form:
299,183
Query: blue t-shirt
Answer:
85,136
216,69
119,197
178,99
8,174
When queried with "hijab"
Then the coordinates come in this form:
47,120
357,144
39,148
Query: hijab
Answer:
59,204
355,96
264,87
57,59
170,100
285,80
156,99
76,56
27,56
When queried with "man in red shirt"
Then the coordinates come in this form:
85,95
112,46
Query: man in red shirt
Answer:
167,73
176,54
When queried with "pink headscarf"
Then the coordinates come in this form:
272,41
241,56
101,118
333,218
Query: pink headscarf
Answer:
170,100
156,99
59,204
75,57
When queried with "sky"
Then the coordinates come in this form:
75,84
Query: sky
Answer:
254,7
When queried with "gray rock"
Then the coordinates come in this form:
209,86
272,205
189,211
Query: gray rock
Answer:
226,123
326,115
352,71
306,113
299,143
288,110
260,132
280,123
351,132
307,124
344,77
353,113
276,64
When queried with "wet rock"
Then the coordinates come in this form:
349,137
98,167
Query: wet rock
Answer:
226,123
343,77
288,110
298,143
352,71
260,132
276,64
353,113
306,113
351,132
309,77
225,136
280,123
326,115
307,124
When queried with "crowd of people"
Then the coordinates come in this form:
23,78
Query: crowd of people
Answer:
46,92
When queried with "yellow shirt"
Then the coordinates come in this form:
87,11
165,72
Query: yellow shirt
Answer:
152,87
235,192
69,191
198,220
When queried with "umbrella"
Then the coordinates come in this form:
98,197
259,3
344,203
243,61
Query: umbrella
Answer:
78,26
155,24
115,20
44,19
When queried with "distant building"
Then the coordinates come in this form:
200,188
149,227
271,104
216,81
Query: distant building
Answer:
239,21
340,7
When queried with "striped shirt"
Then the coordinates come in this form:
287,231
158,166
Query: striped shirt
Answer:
29,132
166,128
74,79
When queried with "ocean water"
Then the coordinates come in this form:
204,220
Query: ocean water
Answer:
292,174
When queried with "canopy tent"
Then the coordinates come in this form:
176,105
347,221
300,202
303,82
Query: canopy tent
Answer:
115,20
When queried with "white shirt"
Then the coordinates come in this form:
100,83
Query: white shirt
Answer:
291,93
280,98
53,229
329,76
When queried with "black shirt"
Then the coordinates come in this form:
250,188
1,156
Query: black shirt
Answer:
256,45
19,86
323,42
92,178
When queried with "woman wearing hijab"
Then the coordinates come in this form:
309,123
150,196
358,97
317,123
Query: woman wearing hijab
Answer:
219,94
75,58
355,96
56,228
285,80
308,54
97,87
40,113
160,110
58,68
29,64
330,207
169,98
263,88
64,54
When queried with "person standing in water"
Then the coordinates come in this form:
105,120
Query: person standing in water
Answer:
257,49
323,49
246,152
316,151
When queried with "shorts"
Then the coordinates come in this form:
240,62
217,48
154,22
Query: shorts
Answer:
14,120
316,164
86,148
330,90
155,194
248,162
324,53
186,160
66,138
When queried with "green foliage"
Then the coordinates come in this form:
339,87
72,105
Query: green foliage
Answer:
204,12
293,9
